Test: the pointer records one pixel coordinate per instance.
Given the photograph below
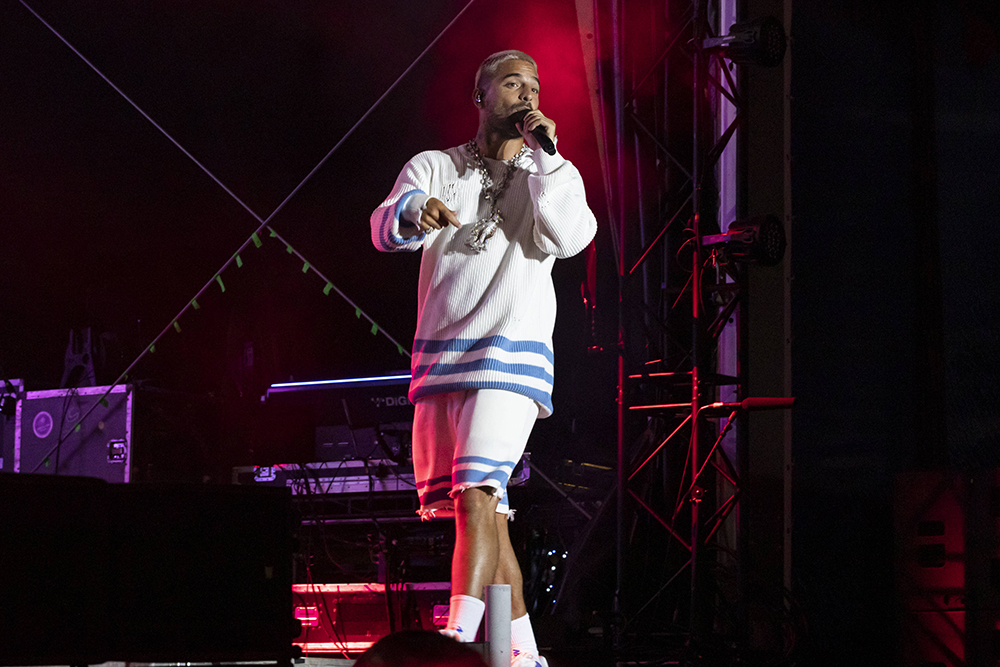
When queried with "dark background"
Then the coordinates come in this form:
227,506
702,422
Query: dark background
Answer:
896,193
896,200
109,225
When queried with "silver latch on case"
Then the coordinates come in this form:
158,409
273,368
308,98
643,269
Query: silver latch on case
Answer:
265,474
117,451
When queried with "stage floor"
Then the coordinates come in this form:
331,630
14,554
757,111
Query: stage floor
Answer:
303,662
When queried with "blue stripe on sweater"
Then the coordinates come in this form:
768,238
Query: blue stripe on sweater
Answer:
543,398
470,344
392,241
386,230
485,461
523,370
435,480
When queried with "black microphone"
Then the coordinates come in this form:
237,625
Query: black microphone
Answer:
538,133
768,402
755,403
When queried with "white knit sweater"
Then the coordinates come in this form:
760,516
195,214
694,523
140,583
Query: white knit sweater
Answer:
484,320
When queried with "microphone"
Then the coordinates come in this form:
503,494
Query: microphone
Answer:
755,403
538,133
768,403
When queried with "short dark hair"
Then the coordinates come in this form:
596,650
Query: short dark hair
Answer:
419,648
488,69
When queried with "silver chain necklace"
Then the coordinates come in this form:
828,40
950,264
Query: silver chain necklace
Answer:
486,227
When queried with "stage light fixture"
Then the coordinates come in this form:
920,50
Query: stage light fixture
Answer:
758,240
760,42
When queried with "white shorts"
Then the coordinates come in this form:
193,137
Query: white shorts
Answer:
466,439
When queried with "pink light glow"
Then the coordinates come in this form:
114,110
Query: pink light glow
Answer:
334,647
546,31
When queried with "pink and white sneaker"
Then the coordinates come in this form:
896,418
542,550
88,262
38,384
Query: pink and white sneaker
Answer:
451,633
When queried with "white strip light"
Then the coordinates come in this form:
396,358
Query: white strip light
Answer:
320,383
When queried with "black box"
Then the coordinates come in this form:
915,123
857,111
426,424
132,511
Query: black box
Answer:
55,559
97,572
49,437
129,434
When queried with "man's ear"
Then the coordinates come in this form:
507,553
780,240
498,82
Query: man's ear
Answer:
477,97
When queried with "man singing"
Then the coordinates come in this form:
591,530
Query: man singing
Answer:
491,217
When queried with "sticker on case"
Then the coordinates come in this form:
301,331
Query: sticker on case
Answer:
41,426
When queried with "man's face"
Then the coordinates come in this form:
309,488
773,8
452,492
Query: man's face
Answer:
514,87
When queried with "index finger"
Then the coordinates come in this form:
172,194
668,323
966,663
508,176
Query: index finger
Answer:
452,219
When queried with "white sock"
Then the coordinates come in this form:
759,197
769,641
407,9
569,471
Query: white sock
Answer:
522,637
464,616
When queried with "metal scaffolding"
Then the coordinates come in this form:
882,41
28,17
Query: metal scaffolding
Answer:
673,171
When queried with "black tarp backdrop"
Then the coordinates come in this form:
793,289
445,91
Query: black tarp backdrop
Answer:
867,124
109,225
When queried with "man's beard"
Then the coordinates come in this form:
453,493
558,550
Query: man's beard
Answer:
503,127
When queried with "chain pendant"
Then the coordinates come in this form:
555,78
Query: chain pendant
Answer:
485,228
483,231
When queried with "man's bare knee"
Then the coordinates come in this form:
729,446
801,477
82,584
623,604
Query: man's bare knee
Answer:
476,500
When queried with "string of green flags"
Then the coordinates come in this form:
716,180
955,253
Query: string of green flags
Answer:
254,238
328,287
216,278
236,258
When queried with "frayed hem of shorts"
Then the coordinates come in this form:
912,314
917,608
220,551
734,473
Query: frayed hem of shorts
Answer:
432,512
448,510
461,488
